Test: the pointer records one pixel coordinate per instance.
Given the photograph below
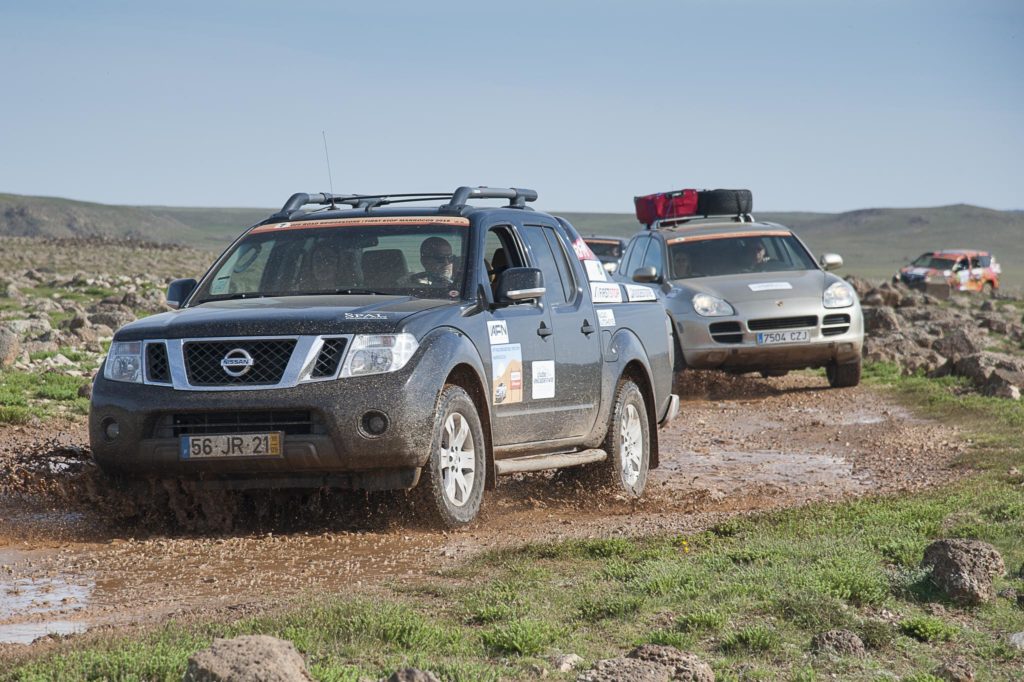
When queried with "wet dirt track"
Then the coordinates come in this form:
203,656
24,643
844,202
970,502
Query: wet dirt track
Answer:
740,444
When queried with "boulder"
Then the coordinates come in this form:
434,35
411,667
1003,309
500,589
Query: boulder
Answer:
115,319
685,666
626,670
10,347
879,320
566,662
839,642
955,670
963,569
250,658
1004,383
412,675
1017,641
958,343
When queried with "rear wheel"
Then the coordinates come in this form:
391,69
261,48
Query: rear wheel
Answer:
628,442
989,289
452,485
845,375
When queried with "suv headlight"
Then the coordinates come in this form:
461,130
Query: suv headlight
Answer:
839,295
378,353
124,362
707,305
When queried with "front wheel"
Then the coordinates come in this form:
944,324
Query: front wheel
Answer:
452,485
628,442
846,375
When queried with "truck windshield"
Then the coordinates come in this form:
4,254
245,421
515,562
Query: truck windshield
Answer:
711,257
426,261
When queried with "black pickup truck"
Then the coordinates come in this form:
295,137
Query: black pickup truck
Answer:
365,345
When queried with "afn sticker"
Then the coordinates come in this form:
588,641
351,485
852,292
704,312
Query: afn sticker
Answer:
605,293
606,317
497,332
506,374
770,286
639,293
543,372
595,271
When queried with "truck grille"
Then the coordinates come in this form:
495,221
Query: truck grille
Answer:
269,360
783,323
726,332
157,368
834,325
291,422
328,359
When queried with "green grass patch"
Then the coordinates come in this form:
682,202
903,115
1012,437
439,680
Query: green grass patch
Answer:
928,629
24,395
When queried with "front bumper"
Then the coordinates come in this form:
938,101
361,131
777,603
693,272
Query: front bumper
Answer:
332,449
836,335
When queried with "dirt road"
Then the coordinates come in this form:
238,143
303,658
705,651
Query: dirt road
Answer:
740,444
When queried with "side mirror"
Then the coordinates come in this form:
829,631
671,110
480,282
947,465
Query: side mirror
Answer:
519,284
179,290
646,275
831,261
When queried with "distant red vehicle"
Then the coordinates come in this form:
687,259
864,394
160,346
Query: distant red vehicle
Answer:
961,269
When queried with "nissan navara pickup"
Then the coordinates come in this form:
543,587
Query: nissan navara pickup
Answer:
348,342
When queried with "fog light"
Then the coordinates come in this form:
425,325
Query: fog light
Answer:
375,423
111,429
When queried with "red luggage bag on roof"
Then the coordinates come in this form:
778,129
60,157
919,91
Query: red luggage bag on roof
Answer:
663,205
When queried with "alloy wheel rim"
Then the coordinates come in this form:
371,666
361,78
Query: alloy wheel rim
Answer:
458,460
631,445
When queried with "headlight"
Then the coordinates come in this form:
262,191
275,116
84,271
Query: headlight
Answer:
839,295
711,306
378,353
124,362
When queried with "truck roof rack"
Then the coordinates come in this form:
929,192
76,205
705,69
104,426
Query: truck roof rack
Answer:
456,200
683,221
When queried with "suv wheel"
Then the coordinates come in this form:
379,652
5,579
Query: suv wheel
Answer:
452,485
845,375
628,442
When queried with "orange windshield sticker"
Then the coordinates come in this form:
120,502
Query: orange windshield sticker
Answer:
349,222
729,235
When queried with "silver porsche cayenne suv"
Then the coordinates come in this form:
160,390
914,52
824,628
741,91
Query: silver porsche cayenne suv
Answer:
747,296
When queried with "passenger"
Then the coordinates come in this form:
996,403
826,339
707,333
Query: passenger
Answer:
438,264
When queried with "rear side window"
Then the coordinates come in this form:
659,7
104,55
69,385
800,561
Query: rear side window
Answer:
551,261
985,261
654,257
634,257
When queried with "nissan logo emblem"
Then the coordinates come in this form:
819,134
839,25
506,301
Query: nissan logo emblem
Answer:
237,362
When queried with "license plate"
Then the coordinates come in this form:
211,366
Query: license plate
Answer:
235,445
768,338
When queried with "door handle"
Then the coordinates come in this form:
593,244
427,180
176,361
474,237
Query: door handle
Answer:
587,328
544,331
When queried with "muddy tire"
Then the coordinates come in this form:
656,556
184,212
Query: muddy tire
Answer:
846,375
628,442
988,289
451,487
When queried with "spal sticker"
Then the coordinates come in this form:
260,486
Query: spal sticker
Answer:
595,271
543,382
606,317
605,293
497,332
770,286
639,293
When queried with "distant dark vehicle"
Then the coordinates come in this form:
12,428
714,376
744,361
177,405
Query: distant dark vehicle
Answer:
312,355
960,269
608,250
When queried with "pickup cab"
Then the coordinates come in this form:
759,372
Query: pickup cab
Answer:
365,345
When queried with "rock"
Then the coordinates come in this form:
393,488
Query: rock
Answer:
955,670
879,320
412,675
1003,383
85,390
840,642
103,331
958,343
626,670
1017,641
685,666
78,322
115,319
987,306
861,286
32,327
250,658
566,662
87,335
963,569
10,347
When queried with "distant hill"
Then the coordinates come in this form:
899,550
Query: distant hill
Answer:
874,242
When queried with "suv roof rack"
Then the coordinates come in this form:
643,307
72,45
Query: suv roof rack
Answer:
683,221
456,200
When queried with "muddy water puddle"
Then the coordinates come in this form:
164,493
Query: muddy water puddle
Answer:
34,604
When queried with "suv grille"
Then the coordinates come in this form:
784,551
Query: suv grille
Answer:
270,358
834,325
292,423
726,332
329,358
783,323
157,368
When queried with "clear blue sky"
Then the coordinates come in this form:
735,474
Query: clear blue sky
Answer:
814,105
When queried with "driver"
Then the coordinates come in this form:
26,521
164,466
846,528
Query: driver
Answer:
756,254
438,263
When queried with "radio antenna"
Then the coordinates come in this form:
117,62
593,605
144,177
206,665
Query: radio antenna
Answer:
330,180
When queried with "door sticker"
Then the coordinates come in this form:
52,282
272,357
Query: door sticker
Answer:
605,293
770,286
506,374
595,271
543,385
606,317
497,332
639,293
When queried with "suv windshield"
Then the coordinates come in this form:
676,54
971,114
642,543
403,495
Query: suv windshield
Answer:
426,261
723,255
605,249
930,261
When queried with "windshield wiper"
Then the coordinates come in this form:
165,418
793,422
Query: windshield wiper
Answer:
230,297
361,291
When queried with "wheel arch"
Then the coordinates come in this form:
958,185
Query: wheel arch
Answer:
468,379
637,373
